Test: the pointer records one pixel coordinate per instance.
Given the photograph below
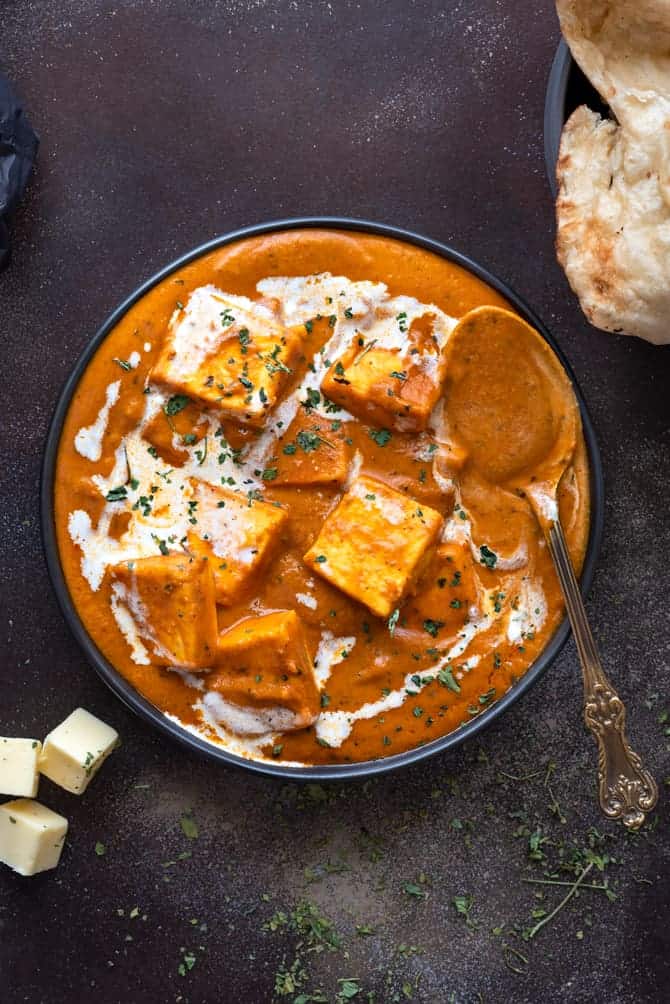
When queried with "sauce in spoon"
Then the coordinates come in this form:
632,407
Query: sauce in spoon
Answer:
510,407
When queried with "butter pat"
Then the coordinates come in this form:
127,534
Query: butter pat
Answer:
19,772
31,836
76,749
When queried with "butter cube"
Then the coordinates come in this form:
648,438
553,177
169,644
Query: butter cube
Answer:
31,836
375,544
19,773
76,749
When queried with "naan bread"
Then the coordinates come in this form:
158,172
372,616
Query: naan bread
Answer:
613,207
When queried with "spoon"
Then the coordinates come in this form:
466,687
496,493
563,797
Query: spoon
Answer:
511,406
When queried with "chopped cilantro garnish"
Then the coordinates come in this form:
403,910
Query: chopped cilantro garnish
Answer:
446,678
380,436
189,827
117,494
313,399
201,454
487,556
162,546
432,627
175,404
244,338
308,441
412,889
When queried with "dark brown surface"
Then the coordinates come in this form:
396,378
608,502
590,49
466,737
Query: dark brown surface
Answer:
162,125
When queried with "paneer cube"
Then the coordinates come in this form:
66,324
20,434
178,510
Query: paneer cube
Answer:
264,679
375,544
312,453
167,604
171,434
448,592
227,353
238,534
390,384
19,774
31,836
76,749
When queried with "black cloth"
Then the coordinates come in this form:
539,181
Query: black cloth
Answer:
18,149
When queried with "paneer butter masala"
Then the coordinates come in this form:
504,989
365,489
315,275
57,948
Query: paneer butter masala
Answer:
266,519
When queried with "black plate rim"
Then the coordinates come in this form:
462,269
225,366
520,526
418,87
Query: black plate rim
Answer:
554,109
152,715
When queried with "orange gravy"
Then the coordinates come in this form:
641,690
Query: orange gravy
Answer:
404,654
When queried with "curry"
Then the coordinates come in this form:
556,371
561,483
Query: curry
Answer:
275,508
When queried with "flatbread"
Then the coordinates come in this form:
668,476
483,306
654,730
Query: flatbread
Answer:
613,206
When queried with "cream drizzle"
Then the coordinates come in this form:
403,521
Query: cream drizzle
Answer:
89,439
334,727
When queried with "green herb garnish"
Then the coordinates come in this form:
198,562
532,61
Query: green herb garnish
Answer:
380,436
117,494
175,404
432,627
487,556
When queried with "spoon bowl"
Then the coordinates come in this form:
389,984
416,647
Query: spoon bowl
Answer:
510,404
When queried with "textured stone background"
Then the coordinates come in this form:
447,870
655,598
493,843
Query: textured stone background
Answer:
162,125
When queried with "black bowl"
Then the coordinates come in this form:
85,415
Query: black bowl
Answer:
567,88
144,708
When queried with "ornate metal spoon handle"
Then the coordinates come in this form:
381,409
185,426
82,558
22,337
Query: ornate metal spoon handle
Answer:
627,789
